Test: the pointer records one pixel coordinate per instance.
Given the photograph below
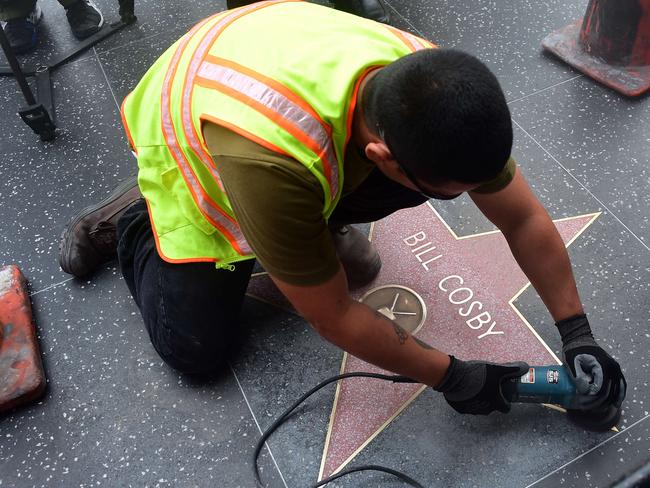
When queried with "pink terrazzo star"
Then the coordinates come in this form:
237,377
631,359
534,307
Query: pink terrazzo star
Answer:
468,285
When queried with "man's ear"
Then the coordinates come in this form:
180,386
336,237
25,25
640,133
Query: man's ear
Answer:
378,153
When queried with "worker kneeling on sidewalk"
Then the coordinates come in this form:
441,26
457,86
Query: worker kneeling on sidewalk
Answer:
262,134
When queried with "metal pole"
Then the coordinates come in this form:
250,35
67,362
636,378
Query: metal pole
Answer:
127,11
15,67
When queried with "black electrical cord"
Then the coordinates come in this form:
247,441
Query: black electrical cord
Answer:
285,414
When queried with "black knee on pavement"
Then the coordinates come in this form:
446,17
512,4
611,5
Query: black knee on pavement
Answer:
205,355
190,310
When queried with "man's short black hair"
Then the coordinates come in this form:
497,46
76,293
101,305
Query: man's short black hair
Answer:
443,116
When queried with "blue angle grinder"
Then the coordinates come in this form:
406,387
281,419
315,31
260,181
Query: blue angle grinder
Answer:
553,384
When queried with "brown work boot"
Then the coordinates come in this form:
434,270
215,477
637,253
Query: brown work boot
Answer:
90,239
358,255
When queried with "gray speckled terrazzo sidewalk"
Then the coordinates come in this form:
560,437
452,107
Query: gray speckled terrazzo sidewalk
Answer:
115,415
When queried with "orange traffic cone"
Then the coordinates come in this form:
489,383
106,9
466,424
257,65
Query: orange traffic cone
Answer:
22,379
611,44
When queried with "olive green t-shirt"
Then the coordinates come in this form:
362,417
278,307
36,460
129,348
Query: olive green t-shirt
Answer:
278,203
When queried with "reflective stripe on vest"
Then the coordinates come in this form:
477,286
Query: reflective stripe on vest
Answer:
209,208
279,104
414,43
188,84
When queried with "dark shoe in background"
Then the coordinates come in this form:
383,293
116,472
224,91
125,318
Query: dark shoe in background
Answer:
23,33
358,256
238,3
90,238
84,18
370,9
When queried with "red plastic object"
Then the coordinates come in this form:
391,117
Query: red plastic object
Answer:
611,44
22,379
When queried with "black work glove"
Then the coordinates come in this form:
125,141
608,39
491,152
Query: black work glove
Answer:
597,376
475,386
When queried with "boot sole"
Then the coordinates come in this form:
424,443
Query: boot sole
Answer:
65,242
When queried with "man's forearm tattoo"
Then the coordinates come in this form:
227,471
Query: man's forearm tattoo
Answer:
402,335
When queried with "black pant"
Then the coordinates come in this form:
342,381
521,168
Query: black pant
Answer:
191,310
18,9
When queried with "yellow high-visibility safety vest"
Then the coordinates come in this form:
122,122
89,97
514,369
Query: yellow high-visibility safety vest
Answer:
284,74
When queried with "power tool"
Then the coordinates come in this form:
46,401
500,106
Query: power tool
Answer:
553,384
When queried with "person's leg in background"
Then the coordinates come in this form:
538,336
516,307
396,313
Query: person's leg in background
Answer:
83,16
191,311
20,19
370,9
